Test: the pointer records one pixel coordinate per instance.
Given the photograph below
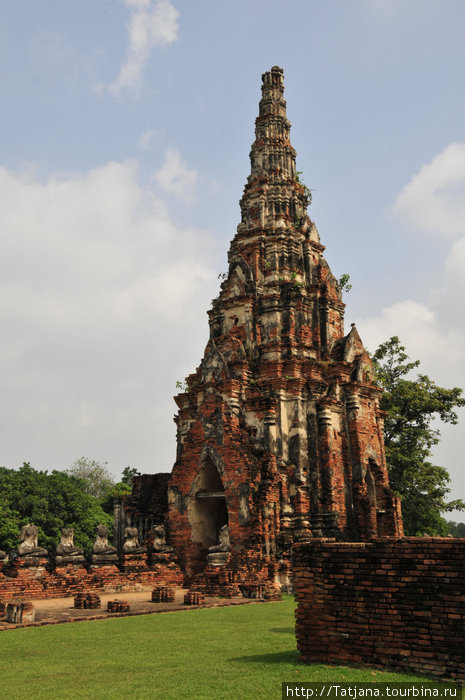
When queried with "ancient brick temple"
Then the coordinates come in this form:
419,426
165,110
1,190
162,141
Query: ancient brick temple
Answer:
279,431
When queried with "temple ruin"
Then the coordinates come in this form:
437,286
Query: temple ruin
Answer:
279,430
280,452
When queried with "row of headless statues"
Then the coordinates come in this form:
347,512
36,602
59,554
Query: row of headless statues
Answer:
102,550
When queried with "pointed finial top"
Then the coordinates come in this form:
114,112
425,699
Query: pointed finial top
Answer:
272,101
273,78
276,72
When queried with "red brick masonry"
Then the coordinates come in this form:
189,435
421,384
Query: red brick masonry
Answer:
34,582
386,602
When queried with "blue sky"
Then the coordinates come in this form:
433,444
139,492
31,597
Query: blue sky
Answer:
127,127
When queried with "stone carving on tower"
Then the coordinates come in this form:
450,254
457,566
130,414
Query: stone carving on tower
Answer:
279,433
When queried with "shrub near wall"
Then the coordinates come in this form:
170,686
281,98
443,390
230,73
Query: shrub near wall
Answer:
386,602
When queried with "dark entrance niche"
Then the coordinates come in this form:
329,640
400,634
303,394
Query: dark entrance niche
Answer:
371,488
207,510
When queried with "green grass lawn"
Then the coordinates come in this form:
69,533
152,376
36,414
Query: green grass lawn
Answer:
233,652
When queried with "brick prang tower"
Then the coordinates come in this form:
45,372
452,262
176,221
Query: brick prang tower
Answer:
279,431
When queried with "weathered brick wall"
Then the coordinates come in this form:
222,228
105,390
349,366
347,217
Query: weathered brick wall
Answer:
386,602
42,582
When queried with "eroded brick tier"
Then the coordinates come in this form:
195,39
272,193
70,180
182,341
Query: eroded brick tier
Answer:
279,433
44,581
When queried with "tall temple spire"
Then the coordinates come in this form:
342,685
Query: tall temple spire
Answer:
279,432
273,197
272,151
276,252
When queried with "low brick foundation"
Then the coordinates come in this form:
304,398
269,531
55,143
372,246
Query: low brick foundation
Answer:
245,569
386,602
43,582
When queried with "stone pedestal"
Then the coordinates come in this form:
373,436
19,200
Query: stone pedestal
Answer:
30,561
31,566
72,577
76,562
165,557
98,560
133,562
217,581
18,612
165,569
218,558
71,570
104,577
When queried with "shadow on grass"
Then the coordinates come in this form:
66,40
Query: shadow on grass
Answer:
281,657
284,630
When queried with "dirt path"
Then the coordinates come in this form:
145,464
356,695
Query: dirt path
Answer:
58,610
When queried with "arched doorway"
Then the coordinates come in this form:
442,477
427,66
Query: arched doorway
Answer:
207,510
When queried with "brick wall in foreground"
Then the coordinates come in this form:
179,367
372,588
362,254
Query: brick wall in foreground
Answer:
386,602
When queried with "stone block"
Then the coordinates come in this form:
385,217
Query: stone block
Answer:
18,612
87,601
194,598
118,606
163,594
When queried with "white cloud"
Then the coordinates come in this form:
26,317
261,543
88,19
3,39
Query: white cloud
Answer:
434,202
439,344
432,330
434,199
150,26
146,139
175,177
455,263
102,309
418,329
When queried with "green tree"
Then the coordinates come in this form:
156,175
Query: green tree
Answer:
456,529
96,478
344,284
122,488
118,491
411,406
50,501
128,475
